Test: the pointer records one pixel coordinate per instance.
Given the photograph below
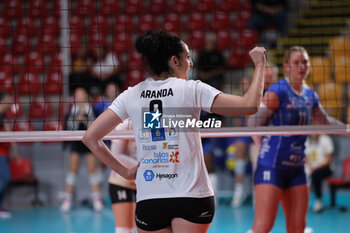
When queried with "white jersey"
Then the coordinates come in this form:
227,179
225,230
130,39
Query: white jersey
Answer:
171,160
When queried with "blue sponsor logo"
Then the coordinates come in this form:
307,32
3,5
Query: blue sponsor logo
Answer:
151,120
149,175
158,134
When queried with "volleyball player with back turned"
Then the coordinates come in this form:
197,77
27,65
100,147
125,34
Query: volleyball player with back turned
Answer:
183,201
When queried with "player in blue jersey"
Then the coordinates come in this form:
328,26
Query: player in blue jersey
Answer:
280,174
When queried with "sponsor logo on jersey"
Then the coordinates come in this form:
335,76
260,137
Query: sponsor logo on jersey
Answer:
172,134
158,134
162,158
157,93
145,135
174,157
152,120
168,176
167,146
148,175
149,147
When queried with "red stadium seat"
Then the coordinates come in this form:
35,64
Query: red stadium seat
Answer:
196,21
134,76
181,6
172,22
121,42
342,182
20,44
86,7
28,84
5,27
224,40
220,21
229,5
206,5
238,58
13,9
27,26
148,22
50,21
99,23
54,83
10,63
50,44
196,40
134,60
242,20
38,9
40,108
6,81
123,22
3,45
34,61
97,39
133,6
158,6
109,7
247,39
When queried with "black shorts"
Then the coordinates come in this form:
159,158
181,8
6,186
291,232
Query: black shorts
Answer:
120,194
157,214
79,147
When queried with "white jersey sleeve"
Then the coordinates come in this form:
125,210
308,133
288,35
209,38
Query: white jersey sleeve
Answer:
118,106
204,94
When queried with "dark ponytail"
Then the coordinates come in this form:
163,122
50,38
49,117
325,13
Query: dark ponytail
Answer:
156,48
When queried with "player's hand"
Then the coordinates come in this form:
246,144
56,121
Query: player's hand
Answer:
131,173
257,54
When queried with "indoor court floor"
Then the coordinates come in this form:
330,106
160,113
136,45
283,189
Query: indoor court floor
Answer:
227,219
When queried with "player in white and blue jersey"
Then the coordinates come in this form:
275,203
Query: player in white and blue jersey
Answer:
280,173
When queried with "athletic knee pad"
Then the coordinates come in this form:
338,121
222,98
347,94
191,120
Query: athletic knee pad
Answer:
123,230
95,178
240,166
71,178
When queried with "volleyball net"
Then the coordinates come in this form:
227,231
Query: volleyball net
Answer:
49,48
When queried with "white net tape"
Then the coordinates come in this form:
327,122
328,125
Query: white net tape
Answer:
47,136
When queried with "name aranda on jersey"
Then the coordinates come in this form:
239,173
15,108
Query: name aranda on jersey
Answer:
157,93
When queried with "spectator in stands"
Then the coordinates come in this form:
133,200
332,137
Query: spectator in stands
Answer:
319,154
211,63
111,92
106,68
268,13
5,172
82,61
80,117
